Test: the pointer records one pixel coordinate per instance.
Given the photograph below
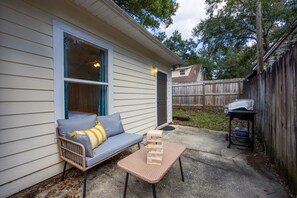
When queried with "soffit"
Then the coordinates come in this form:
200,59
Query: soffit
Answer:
113,15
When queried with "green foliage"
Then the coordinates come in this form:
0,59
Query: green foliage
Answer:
214,120
150,13
236,63
229,33
229,63
186,49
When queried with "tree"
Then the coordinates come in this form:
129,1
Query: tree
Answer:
230,30
236,21
259,32
185,49
228,63
150,13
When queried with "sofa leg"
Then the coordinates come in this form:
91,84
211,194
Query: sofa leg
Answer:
85,184
138,146
62,177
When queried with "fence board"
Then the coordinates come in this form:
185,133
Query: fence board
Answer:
274,92
209,94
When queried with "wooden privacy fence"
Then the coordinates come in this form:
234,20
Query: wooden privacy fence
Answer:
275,95
209,94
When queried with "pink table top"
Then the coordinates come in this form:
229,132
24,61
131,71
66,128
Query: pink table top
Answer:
135,164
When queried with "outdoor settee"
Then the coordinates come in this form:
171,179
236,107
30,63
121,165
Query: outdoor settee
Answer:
75,149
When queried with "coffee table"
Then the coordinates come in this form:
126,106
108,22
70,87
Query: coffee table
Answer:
135,164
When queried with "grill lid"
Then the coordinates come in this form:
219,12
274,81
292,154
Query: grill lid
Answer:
242,104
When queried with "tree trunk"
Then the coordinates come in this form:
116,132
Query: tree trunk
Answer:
266,43
259,37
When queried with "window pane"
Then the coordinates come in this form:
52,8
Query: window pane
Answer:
83,60
84,98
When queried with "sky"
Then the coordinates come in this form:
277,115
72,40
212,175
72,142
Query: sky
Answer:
188,15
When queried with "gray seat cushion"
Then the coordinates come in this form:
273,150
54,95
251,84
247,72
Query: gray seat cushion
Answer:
70,125
112,124
112,145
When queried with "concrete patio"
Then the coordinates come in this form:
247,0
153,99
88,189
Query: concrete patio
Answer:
210,169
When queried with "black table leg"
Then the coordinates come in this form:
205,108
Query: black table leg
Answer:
248,126
85,184
253,135
229,132
126,184
154,191
181,169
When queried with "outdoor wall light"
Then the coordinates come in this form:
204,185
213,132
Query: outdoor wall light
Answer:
96,64
154,71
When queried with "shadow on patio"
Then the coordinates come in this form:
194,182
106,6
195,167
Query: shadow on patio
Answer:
210,170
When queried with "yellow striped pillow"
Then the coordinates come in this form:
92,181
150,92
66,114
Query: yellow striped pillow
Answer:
97,135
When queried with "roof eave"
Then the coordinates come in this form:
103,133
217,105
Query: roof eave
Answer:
135,30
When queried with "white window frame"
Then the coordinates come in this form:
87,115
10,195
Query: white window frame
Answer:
180,72
58,45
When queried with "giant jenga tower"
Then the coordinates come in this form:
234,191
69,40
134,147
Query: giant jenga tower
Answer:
155,147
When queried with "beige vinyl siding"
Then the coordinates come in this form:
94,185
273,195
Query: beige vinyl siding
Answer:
21,95
28,150
26,132
11,68
13,108
19,158
134,92
31,179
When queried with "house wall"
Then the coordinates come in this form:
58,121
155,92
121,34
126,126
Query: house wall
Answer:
28,149
176,73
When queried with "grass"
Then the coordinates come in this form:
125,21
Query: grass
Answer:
209,119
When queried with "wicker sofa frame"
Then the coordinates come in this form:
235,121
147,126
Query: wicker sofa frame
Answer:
74,153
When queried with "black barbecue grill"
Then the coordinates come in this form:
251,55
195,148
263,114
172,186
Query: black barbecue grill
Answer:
243,110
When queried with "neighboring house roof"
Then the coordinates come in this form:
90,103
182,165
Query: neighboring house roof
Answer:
123,22
193,75
278,48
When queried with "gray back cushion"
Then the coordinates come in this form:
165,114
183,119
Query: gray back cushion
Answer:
69,125
112,124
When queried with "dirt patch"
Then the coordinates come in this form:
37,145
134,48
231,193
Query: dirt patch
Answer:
74,177
260,161
71,186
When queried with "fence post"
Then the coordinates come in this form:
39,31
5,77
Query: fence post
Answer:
203,97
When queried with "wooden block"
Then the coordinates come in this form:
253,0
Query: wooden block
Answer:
155,146
155,149
155,156
154,134
155,141
151,137
154,161
160,157
152,154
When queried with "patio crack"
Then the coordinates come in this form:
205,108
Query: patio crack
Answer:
190,149
208,164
